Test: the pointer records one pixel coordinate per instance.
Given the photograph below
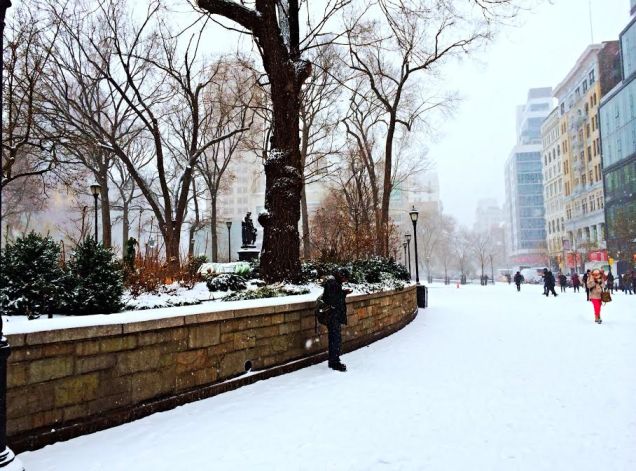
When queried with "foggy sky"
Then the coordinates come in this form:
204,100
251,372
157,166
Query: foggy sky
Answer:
472,149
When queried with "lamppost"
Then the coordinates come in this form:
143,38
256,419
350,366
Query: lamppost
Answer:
95,189
8,461
408,245
421,290
428,270
229,241
405,259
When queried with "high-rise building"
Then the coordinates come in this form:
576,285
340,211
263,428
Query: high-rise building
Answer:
617,118
488,215
525,222
579,95
553,198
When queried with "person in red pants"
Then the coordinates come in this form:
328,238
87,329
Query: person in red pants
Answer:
595,287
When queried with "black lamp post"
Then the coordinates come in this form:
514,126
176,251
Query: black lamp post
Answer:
414,214
8,461
405,259
229,241
95,189
421,290
408,244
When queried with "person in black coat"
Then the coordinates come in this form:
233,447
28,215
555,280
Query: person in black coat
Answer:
518,280
563,282
549,283
334,296
586,275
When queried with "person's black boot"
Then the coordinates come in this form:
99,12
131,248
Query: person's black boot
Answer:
338,366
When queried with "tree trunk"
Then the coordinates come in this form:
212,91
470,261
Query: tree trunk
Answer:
213,230
191,233
305,222
387,187
105,210
125,223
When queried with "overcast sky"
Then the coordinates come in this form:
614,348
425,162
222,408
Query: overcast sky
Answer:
471,152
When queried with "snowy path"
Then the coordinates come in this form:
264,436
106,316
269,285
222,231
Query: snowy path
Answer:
486,379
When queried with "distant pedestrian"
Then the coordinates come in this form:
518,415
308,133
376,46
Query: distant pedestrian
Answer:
595,288
486,280
627,283
334,296
549,284
586,277
518,280
508,278
634,281
610,281
563,282
576,282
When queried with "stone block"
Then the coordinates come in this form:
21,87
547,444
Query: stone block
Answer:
162,336
232,364
292,317
117,344
17,374
151,384
277,318
76,390
88,347
95,363
154,324
204,335
75,412
18,424
50,368
58,349
30,399
280,344
111,402
142,359
244,340
191,360
221,349
208,317
286,328
16,340
68,335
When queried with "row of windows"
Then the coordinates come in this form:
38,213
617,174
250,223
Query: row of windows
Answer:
576,96
621,183
618,125
556,225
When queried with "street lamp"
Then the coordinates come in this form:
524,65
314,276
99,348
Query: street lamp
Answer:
229,241
408,244
405,259
8,461
421,290
95,189
414,214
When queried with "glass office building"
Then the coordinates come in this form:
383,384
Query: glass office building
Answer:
617,118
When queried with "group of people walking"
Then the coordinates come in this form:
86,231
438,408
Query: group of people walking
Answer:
594,281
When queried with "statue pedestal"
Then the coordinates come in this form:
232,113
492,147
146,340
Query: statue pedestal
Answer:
248,253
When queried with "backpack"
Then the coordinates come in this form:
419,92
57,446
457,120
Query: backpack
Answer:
322,311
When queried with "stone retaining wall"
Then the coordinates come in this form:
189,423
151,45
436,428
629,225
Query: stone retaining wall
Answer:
62,377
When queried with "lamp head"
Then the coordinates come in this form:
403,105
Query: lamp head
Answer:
95,189
228,224
414,214
408,237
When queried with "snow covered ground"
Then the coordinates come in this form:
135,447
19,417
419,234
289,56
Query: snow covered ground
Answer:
485,379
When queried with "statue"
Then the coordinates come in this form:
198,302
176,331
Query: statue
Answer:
248,231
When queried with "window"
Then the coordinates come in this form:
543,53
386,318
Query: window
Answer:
592,77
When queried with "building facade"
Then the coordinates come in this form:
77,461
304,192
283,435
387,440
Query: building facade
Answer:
618,137
579,96
553,199
524,211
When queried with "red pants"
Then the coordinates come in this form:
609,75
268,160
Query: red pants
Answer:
597,308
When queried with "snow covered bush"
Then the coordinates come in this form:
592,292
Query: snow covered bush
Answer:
32,280
266,292
226,282
97,280
377,270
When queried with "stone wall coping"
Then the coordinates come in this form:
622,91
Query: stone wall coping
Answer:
62,329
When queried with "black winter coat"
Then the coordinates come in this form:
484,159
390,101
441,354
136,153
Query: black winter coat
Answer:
334,296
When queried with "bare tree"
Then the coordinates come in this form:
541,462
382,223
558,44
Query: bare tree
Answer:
231,95
150,89
276,29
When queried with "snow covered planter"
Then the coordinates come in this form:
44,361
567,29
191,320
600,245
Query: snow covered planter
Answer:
75,375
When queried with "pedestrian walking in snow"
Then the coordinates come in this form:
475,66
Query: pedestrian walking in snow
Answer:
549,283
334,296
576,282
595,288
586,277
518,280
563,282
508,278
627,283
610,281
